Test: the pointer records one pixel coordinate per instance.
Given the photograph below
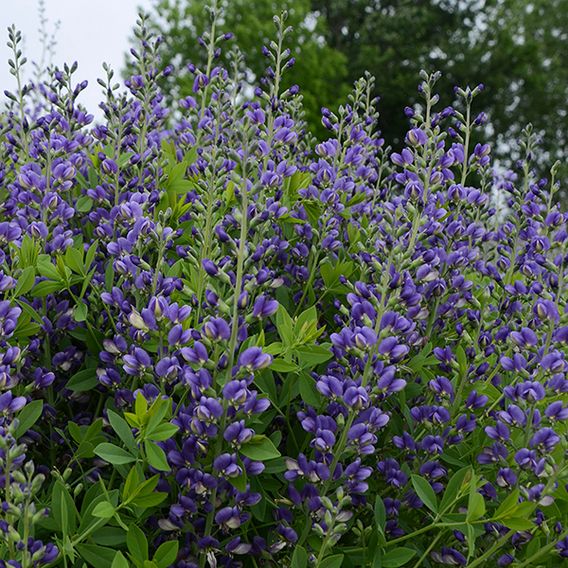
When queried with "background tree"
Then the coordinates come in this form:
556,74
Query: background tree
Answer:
518,48
320,70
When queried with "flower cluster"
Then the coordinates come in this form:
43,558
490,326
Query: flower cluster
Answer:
224,343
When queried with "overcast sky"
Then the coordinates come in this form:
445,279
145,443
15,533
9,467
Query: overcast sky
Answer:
91,32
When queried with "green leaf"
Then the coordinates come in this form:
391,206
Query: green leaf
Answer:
518,523
470,537
74,259
380,515
334,561
461,358
508,506
148,486
299,558
80,312
90,256
25,281
306,318
162,432
313,355
260,448
28,252
141,407
46,287
113,454
93,497
331,275
119,561
157,413
131,485
109,276
166,553
156,456
84,204
239,482
425,492
274,348
26,329
109,536
454,487
475,505
308,391
120,426
63,508
136,489
46,267
398,557
137,543
285,326
97,556
104,510
28,416
83,380
283,366
151,500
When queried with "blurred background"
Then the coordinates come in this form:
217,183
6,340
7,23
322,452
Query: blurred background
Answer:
517,48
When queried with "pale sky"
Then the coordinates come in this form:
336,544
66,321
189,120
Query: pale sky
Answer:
91,32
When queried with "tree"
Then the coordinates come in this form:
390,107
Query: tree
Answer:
517,48
320,70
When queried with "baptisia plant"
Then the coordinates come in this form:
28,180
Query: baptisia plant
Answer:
226,343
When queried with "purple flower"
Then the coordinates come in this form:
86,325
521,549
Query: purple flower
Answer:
196,354
217,329
8,318
9,404
229,518
226,465
137,362
237,434
524,338
449,556
254,359
562,547
209,409
264,307
556,411
356,397
545,440
365,338
178,336
210,267
416,137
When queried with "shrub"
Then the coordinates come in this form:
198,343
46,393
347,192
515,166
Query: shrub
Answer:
226,344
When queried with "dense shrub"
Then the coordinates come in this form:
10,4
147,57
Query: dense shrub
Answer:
224,344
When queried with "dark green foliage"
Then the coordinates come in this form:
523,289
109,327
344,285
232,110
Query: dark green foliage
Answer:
510,45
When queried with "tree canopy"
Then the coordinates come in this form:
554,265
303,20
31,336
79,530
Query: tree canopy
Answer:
517,48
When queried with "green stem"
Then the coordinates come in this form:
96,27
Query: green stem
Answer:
428,550
310,281
325,543
7,491
92,528
496,546
352,414
233,339
545,550
418,532
459,392
157,269
206,246
210,54
466,143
